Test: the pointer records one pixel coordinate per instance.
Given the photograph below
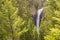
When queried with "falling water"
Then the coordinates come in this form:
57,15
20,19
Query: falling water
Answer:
38,18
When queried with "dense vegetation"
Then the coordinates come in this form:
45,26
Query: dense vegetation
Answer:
16,22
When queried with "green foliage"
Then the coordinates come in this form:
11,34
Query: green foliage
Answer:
16,21
51,20
54,34
28,23
10,22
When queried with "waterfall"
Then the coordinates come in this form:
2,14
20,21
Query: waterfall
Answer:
39,11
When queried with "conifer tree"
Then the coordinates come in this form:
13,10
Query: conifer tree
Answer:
50,23
10,22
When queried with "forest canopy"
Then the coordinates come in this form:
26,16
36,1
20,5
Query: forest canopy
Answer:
16,22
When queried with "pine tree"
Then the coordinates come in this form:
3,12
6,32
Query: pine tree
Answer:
10,22
51,20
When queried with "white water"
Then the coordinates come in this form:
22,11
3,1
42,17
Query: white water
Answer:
38,19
